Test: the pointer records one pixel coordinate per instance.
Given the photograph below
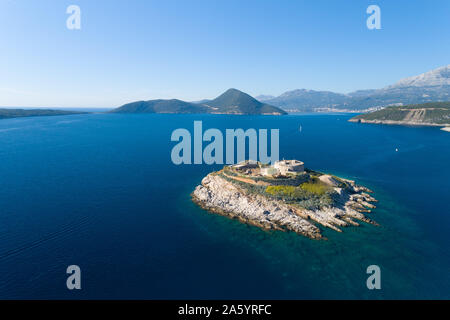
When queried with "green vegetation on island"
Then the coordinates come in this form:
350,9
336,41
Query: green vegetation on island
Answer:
303,189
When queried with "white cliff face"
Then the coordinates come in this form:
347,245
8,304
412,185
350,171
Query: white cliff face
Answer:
218,195
436,77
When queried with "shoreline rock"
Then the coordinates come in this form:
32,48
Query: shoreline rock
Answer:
400,122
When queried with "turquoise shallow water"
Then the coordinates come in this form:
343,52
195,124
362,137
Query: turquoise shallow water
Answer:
101,192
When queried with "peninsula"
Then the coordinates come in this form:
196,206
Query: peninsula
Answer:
285,196
232,101
426,114
6,113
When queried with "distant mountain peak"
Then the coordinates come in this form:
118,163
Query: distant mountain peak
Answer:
234,93
238,102
233,90
436,77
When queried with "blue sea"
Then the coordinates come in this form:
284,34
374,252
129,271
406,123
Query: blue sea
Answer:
100,191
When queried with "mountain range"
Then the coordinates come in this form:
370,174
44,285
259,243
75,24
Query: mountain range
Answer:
431,86
232,101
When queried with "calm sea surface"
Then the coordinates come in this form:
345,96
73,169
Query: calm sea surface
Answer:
100,191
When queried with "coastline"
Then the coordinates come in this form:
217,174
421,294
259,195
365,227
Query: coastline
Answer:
444,126
403,123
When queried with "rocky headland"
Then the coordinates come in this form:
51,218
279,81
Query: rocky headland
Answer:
428,114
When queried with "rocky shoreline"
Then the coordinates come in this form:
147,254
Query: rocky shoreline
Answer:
220,195
394,122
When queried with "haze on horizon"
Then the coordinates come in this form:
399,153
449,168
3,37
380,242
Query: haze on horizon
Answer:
192,50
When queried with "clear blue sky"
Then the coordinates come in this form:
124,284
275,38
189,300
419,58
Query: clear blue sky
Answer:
133,50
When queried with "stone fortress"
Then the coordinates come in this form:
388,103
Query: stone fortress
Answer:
282,167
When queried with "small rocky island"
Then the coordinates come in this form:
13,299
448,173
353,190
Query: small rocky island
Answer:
285,197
